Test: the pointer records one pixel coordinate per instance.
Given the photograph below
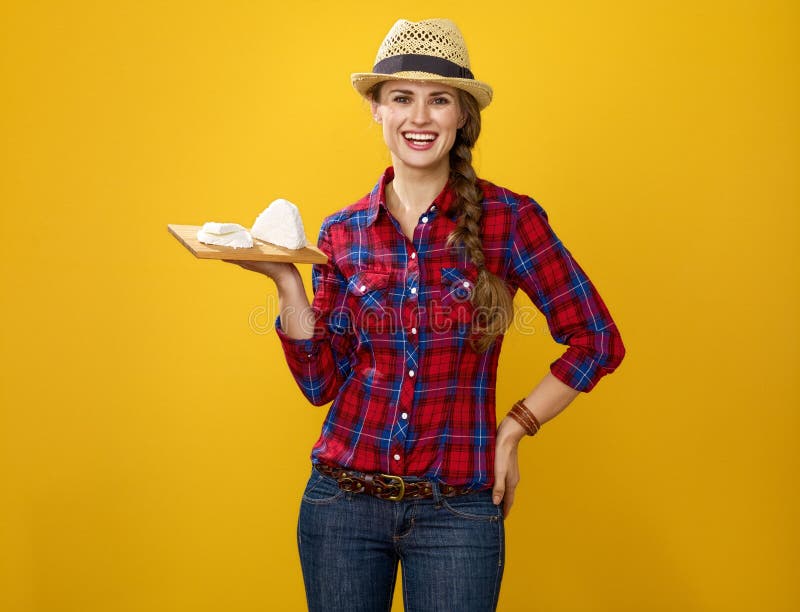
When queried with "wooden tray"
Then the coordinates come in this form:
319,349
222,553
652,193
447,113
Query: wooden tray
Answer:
260,251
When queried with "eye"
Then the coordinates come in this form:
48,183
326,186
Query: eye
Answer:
401,99
441,100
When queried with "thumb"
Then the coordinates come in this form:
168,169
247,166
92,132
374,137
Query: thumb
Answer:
499,489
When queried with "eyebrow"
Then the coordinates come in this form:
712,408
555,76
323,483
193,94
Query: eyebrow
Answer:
411,93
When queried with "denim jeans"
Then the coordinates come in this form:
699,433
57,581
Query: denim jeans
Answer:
452,550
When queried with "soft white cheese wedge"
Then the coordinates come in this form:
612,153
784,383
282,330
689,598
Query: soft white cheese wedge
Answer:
225,234
222,228
280,224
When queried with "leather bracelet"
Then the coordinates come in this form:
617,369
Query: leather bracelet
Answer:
522,415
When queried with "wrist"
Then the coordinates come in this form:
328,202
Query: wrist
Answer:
523,416
511,431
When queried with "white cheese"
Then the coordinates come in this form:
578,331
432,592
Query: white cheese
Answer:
222,228
280,224
225,234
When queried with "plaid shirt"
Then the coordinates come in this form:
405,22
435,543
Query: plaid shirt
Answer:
390,348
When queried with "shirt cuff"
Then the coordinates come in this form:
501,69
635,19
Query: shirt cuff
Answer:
298,350
579,373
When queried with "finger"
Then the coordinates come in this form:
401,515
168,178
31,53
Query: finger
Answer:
241,263
499,489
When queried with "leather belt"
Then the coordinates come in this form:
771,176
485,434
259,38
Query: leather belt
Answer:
386,486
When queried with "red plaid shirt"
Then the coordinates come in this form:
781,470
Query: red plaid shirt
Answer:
410,396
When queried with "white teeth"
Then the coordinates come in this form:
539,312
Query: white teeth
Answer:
421,137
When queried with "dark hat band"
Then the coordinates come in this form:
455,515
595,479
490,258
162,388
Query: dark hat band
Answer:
422,63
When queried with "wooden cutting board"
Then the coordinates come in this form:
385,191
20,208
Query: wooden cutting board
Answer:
260,251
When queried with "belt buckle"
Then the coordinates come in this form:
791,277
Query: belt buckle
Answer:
402,487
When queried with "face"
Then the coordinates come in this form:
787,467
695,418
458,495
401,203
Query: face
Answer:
419,122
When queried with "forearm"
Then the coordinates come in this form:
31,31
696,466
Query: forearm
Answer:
546,401
549,398
297,316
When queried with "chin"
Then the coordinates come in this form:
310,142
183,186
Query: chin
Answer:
424,164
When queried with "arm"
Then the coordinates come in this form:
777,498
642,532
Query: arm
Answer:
296,314
547,400
318,359
576,316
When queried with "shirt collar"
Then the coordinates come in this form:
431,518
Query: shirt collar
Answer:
445,201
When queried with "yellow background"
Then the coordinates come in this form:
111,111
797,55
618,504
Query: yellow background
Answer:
153,445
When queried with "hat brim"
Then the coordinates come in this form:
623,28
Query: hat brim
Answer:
482,92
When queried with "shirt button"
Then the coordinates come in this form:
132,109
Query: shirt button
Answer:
424,219
411,373
363,288
433,207
404,416
413,291
413,255
466,284
414,330
397,457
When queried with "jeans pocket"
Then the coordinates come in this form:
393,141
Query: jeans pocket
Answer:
321,489
476,506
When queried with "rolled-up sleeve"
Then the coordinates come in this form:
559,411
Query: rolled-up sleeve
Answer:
576,315
321,364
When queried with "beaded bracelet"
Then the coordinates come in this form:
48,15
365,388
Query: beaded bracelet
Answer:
522,415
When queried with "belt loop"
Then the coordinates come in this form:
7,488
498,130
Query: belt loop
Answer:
437,496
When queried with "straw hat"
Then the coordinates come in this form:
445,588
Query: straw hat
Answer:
431,50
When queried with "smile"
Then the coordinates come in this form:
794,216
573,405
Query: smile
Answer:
420,141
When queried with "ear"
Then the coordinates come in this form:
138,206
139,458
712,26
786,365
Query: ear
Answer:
463,121
373,105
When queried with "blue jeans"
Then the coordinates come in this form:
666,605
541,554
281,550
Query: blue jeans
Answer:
452,550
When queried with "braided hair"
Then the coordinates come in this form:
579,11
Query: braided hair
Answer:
494,306
491,298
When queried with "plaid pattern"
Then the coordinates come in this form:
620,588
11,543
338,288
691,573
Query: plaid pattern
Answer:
391,346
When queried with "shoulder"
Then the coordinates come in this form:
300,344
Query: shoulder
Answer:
501,200
349,215
345,220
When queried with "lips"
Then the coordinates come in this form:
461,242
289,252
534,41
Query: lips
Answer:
420,141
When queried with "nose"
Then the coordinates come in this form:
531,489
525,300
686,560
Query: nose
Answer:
420,114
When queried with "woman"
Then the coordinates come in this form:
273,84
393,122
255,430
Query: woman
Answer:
404,335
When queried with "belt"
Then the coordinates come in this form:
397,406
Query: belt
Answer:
386,486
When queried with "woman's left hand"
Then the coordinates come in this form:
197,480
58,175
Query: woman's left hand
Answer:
506,463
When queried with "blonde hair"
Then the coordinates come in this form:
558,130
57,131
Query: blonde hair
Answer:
491,298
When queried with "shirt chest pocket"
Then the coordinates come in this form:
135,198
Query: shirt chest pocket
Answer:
367,298
454,304
456,286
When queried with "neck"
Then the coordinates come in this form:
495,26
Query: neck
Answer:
416,188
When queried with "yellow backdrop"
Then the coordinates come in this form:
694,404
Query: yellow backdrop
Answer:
153,445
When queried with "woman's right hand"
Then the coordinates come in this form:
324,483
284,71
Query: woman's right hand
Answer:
277,271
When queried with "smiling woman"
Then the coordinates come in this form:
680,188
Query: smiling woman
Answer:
410,464
418,118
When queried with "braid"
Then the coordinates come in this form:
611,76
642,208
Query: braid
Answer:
468,202
491,298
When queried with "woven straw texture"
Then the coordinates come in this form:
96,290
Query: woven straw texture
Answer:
435,37
439,38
